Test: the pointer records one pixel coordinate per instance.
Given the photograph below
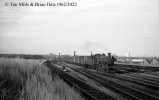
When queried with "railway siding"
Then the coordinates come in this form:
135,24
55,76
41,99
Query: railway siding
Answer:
88,91
133,93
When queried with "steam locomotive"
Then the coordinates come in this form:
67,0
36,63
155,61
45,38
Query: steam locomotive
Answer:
99,62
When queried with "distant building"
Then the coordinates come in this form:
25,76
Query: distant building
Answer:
155,63
145,62
136,61
150,62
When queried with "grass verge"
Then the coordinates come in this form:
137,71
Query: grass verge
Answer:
29,80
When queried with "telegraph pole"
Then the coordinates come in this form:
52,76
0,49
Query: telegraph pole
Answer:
59,57
92,58
74,56
130,58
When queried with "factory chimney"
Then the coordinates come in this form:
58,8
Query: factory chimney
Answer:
74,53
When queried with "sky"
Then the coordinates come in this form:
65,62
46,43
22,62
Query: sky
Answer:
98,26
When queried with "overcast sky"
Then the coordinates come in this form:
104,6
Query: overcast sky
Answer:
100,26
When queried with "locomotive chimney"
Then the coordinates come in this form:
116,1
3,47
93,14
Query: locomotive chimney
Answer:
109,54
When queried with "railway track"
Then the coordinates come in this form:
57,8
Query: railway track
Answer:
144,81
129,92
144,77
138,80
155,74
89,92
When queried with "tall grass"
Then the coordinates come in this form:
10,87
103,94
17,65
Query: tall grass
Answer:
29,80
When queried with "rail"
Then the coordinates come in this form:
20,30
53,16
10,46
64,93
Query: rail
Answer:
89,92
130,92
